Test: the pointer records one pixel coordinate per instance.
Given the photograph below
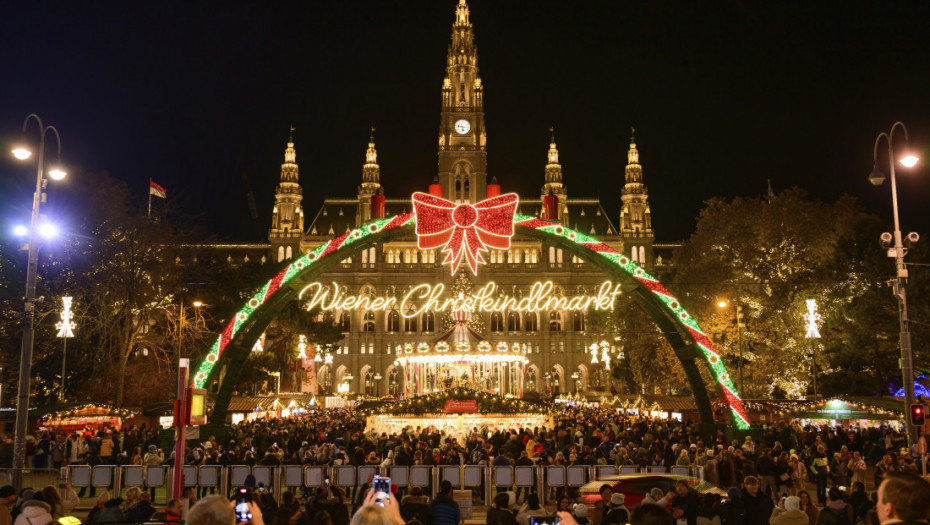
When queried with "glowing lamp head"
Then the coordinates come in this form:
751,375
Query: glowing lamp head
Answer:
22,153
876,177
722,304
57,173
20,231
197,304
909,160
48,230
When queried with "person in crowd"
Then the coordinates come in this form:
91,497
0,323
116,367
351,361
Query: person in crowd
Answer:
175,510
711,510
500,513
580,513
371,513
809,507
112,512
602,506
836,511
758,505
142,510
415,506
789,512
618,513
766,469
533,508
685,504
820,470
34,512
445,510
60,506
903,497
857,498
7,497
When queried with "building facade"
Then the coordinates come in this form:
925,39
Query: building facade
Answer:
556,341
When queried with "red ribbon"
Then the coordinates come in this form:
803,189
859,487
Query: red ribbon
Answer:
464,229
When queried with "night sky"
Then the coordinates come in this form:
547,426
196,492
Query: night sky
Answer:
724,95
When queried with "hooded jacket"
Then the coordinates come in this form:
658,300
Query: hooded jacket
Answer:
789,517
34,512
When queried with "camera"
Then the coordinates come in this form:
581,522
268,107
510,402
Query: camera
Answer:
242,505
544,520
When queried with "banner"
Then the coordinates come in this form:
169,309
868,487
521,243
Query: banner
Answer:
454,406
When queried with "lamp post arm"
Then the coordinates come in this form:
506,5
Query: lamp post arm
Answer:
57,137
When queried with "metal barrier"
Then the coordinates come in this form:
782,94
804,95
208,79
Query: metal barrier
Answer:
487,480
37,478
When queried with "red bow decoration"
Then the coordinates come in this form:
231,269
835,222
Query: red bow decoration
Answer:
464,229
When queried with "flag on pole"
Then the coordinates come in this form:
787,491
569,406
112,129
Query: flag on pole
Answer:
156,190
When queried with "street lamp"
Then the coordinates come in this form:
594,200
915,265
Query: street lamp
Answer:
897,251
723,303
277,389
65,329
377,379
25,363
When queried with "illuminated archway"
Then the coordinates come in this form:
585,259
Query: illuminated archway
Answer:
680,328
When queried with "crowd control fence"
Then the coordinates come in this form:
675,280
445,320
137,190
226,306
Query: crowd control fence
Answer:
485,481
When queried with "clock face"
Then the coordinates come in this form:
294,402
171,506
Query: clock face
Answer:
462,127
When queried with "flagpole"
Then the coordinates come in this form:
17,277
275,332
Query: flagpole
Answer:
150,198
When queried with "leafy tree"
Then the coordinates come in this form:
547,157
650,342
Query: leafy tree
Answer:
766,255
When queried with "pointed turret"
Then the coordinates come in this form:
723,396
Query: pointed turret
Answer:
553,185
371,180
287,220
635,216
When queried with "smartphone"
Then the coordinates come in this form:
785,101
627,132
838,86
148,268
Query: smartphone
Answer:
544,520
723,500
261,487
381,484
242,505
326,480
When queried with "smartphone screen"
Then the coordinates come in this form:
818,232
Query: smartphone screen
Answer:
544,520
242,505
381,484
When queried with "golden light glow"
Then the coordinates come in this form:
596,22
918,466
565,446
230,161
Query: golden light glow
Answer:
22,153
722,303
197,304
909,161
57,173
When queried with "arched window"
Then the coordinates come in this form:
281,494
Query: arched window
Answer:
555,321
288,253
429,322
497,322
393,321
513,322
280,253
642,255
531,380
410,324
578,321
369,383
369,325
394,382
346,321
633,255
531,322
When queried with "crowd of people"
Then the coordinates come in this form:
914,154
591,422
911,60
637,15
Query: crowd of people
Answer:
787,471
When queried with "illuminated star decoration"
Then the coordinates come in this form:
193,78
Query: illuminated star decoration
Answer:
464,230
302,347
813,319
66,326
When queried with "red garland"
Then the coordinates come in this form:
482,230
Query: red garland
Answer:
464,229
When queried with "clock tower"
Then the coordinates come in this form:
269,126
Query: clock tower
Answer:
462,136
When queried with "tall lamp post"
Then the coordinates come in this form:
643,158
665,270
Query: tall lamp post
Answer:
25,362
722,303
812,320
897,250
65,331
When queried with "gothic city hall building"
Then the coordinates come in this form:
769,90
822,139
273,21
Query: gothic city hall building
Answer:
382,336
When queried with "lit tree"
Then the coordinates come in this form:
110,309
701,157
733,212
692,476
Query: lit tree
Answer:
462,286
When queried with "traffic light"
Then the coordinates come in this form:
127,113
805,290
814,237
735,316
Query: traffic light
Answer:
918,414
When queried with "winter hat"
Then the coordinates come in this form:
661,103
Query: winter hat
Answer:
617,498
6,491
792,503
733,493
580,510
152,448
710,452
